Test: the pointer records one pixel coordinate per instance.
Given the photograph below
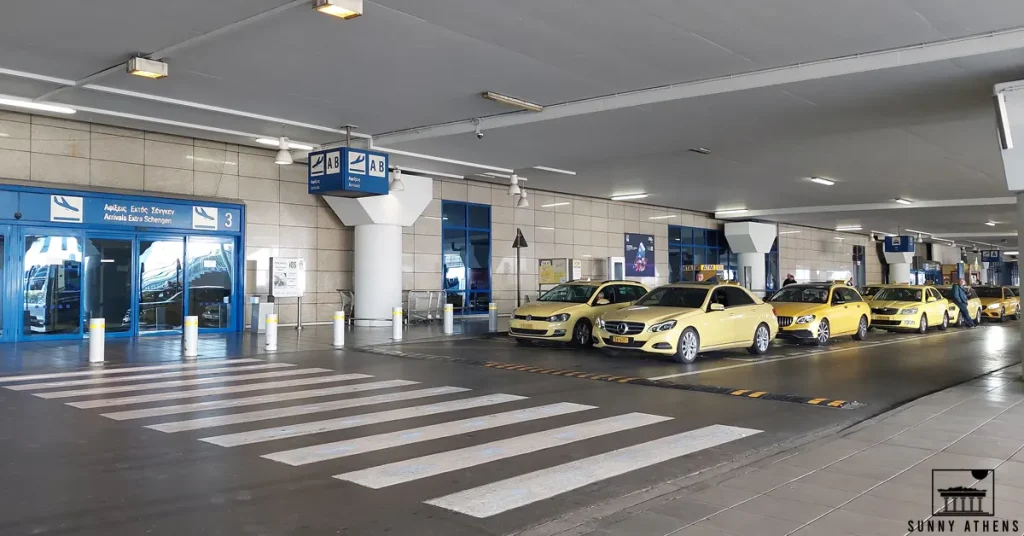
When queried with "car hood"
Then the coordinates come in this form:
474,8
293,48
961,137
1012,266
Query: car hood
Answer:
894,304
546,309
989,301
649,314
796,309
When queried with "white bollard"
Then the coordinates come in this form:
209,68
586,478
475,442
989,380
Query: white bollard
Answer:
97,334
449,319
396,323
492,317
191,336
339,329
271,333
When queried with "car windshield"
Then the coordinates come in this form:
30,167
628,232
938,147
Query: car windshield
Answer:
569,294
946,292
989,292
1015,291
871,291
799,294
899,294
689,297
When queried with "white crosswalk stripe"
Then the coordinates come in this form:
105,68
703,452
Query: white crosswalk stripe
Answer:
340,449
253,400
124,370
156,397
307,409
317,427
156,376
179,383
445,462
492,499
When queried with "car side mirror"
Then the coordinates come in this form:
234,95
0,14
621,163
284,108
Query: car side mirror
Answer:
929,299
838,301
716,307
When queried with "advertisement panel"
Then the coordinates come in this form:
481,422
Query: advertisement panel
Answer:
639,250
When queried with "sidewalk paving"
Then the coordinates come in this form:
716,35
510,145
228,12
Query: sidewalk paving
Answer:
869,480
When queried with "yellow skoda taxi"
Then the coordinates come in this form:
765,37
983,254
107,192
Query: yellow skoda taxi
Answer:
684,319
998,303
567,313
909,307
819,311
974,305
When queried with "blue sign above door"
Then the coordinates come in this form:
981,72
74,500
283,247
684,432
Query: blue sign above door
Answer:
114,211
899,244
347,172
991,256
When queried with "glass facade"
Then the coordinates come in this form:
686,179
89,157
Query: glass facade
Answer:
466,256
691,246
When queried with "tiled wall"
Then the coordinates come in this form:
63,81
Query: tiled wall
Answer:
816,255
282,219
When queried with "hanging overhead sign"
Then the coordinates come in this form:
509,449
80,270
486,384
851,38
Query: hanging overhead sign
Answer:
899,244
345,172
991,256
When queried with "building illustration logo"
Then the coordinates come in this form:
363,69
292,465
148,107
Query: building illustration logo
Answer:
357,162
65,208
963,499
204,218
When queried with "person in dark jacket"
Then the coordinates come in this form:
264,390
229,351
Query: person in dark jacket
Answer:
960,299
789,280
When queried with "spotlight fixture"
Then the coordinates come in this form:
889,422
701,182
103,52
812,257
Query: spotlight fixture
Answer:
147,68
628,197
276,142
513,185
343,9
902,201
990,223
823,181
731,212
396,181
284,157
32,105
523,202
512,101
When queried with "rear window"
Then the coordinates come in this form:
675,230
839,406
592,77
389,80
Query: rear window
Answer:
989,292
899,294
801,294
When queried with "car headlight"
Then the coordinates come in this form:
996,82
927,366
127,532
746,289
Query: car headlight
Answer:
564,317
804,319
600,322
911,311
664,326
993,306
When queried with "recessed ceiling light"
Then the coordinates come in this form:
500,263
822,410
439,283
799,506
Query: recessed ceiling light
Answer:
343,9
823,181
555,170
788,232
665,217
731,212
147,68
32,105
990,223
628,197
512,101
849,228
562,204
902,201
275,142
700,150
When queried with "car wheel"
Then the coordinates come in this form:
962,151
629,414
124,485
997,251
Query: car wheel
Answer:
762,338
862,330
1002,314
945,322
824,333
689,345
1016,314
977,318
960,320
581,334
923,328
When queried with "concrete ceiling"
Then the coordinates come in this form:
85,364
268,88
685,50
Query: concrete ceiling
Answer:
922,131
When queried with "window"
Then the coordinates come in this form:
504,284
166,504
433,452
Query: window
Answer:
691,246
627,293
898,294
801,294
735,297
688,297
466,255
849,295
569,294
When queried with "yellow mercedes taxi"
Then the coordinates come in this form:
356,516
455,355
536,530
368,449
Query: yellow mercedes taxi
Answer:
684,319
998,303
567,312
909,307
974,305
816,312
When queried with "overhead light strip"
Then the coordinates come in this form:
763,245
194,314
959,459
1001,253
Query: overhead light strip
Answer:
730,212
550,205
628,197
34,76
292,144
555,170
440,159
416,171
512,101
32,105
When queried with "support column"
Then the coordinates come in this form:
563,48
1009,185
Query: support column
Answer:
1020,225
899,272
751,241
899,254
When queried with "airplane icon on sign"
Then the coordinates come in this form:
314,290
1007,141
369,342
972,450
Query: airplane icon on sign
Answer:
61,202
201,212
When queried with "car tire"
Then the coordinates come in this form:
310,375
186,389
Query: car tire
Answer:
977,318
824,333
688,347
923,327
582,333
762,340
1016,314
862,330
1002,314
960,322
945,322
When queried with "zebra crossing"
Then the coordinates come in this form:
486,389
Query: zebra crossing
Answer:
232,388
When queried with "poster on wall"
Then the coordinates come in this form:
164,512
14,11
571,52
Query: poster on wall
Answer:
552,271
639,255
287,277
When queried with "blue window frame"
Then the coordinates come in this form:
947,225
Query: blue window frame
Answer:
466,256
691,246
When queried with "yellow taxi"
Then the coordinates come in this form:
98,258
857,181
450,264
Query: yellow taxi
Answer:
998,303
567,313
819,311
868,291
974,305
909,307
684,319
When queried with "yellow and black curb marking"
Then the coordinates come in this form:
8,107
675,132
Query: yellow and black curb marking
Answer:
611,378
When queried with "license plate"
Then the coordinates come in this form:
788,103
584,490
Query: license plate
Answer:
529,326
620,340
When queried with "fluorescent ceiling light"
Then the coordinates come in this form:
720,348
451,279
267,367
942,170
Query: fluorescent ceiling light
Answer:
547,228
883,233
628,197
562,204
665,217
275,142
823,181
700,150
902,201
343,9
555,170
788,232
990,223
107,260
1011,252
731,212
32,105
849,228
147,68
839,238
512,101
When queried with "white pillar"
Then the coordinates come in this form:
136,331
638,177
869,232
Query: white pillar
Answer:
757,275
751,241
191,334
339,329
899,273
377,280
97,338
396,323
